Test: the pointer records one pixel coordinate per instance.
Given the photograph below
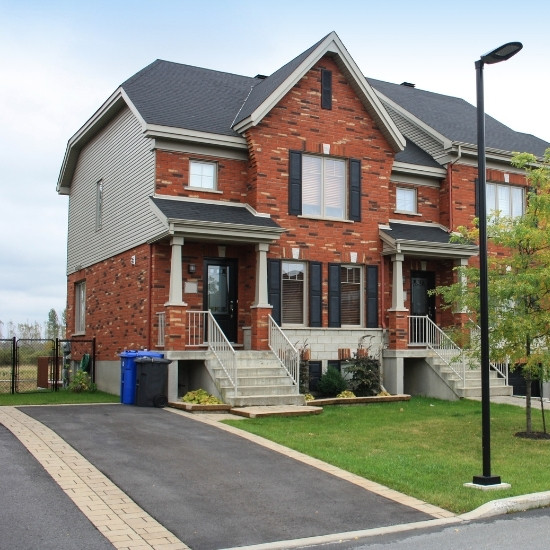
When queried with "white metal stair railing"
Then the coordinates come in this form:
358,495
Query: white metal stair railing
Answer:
286,353
216,340
501,367
424,332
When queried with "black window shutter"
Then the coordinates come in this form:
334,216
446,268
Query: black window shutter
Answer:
295,183
334,295
355,190
477,198
315,293
274,288
372,296
326,89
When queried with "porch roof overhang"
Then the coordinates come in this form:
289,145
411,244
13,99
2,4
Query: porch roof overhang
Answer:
214,221
426,240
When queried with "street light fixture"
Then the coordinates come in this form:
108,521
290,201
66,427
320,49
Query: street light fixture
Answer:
502,53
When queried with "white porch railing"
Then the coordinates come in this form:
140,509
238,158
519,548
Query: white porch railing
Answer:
502,367
424,332
288,355
202,329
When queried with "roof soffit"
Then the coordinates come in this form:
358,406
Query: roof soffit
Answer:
333,46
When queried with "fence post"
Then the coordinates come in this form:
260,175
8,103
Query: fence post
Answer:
93,360
56,366
13,363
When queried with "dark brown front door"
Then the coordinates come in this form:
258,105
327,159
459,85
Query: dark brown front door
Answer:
422,302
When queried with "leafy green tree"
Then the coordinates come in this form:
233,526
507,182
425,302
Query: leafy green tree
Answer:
519,281
53,326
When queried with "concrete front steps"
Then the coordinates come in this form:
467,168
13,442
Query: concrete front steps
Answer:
472,383
261,381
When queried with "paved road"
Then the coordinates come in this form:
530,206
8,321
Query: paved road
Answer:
213,489
34,511
530,529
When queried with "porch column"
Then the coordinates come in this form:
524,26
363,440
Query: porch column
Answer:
175,296
462,262
398,296
260,311
261,299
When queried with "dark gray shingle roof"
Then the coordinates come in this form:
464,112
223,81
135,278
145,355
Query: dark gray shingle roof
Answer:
413,232
412,154
208,212
182,96
456,119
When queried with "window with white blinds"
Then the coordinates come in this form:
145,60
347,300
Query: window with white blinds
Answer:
323,187
350,295
505,200
80,307
292,293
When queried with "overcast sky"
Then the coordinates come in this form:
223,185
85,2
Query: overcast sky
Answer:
60,60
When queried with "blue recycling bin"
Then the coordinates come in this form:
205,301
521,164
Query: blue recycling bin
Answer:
128,373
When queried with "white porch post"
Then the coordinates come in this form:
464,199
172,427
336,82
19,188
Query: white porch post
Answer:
175,296
261,298
463,262
398,296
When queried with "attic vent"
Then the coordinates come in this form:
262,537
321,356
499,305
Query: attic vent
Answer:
408,84
261,76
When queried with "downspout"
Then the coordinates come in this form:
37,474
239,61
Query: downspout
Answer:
150,298
450,180
383,291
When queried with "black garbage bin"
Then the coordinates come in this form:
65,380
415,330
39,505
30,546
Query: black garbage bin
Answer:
151,381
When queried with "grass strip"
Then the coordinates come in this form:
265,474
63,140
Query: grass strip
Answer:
424,447
60,397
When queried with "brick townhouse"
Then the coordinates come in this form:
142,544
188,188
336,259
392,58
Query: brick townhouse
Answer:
230,222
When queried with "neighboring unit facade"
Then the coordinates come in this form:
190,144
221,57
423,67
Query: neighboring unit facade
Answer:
313,202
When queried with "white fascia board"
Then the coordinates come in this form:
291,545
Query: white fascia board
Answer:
418,170
114,104
331,44
445,142
183,134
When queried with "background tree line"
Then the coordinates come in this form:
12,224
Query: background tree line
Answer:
53,327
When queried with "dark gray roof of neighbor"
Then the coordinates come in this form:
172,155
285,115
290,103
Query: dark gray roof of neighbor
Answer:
413,232
412,154
456,119
182,96
208,212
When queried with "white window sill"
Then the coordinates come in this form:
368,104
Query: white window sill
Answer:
321,218
407,212
203,189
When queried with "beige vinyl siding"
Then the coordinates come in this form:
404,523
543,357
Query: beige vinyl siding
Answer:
122,159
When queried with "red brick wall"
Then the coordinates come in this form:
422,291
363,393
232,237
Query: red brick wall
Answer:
117,303
299,123
172,176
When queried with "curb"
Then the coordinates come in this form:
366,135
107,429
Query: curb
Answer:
508,505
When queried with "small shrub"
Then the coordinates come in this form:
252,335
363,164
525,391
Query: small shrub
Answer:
309,397
365,375
331,383
200,397
345,394
82,382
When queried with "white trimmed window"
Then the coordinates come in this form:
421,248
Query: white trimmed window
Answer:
80,307
293,293
323,187
350,295
405,200
203,174
505,200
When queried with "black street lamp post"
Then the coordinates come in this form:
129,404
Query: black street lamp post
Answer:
499,54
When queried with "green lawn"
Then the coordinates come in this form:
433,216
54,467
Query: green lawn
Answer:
56,398
424,447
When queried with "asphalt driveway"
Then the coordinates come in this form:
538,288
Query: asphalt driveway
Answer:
213,489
